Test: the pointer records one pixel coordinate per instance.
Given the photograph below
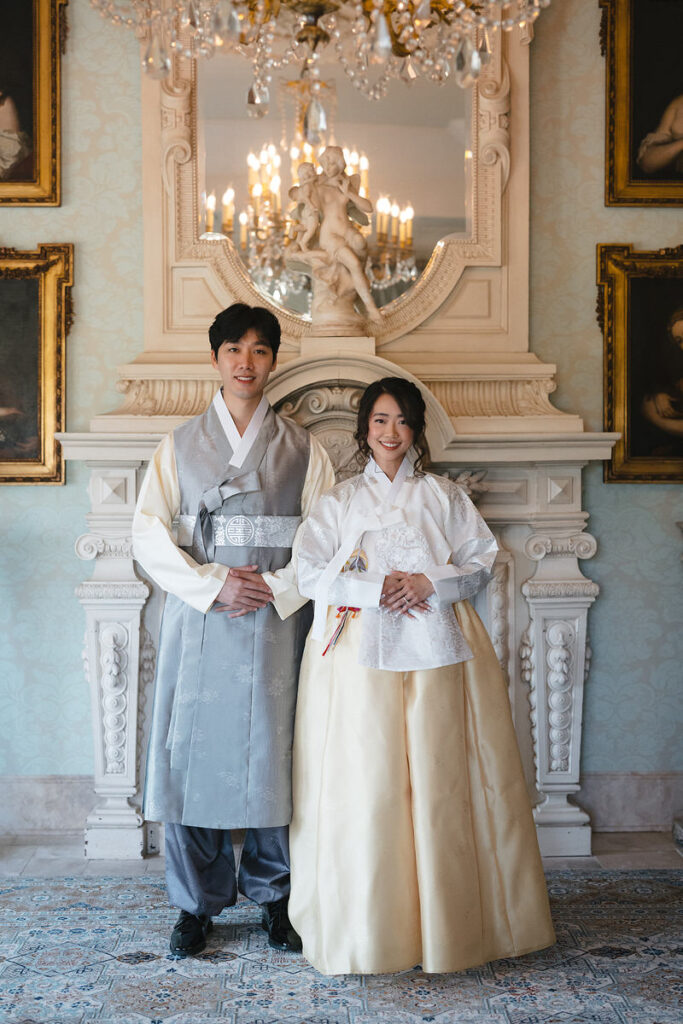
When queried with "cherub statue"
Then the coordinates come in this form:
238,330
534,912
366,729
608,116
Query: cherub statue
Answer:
307,215
337,263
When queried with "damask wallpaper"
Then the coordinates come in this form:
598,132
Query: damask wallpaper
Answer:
633,699
44,702
635,626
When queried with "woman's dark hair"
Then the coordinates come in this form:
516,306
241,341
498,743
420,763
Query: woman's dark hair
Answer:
411,404
234,322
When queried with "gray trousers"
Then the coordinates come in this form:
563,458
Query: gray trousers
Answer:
200,867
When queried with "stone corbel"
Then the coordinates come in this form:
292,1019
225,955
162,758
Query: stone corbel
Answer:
118,660
555,655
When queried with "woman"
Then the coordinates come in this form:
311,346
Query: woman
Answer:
412,839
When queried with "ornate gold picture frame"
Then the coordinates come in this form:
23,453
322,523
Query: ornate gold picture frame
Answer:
36,314
644,102
31,43
640,312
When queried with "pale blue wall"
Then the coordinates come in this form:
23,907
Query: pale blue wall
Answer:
44,702
633,699
636,624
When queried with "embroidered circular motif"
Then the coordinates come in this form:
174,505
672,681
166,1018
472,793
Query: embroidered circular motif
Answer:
239,531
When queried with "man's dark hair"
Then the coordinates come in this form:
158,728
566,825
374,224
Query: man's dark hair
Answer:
234,322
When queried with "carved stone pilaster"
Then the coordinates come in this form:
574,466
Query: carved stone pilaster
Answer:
555,655
113,600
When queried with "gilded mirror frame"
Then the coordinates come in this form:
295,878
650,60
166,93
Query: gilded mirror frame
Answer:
228,278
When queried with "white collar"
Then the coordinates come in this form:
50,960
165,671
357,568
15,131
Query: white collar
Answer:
241,446
374,472
389,489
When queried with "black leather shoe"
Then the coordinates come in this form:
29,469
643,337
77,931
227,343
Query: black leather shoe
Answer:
189,934
275,921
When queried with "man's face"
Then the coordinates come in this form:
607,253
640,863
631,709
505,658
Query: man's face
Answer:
244,365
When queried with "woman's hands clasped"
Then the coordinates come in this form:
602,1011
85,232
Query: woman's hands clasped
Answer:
406,592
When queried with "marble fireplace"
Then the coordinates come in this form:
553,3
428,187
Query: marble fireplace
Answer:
461,334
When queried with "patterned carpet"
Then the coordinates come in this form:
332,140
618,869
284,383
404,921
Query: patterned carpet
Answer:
80,950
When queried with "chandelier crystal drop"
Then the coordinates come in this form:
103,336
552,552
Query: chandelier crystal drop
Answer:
375,41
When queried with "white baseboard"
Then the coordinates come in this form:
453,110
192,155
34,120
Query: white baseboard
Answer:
631,801
35,808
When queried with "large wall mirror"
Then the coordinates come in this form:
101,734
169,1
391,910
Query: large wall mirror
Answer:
411,149
440,153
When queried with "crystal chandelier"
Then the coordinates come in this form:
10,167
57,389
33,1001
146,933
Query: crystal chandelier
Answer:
263,230
374,41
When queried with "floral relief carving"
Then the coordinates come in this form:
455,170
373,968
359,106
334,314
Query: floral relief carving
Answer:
471,481
113,684
560,639
526,662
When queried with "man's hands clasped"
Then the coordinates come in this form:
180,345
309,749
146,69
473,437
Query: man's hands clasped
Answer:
244,591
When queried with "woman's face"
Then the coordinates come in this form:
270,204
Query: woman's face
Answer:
389,436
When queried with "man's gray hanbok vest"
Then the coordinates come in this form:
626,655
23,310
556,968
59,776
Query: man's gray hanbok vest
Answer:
221,738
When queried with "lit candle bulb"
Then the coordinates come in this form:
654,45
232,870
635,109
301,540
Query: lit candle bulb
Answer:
275,191
364,165
253,169
228,203
243,218
395,210
210,210
402,218
410,213
256,194
383,208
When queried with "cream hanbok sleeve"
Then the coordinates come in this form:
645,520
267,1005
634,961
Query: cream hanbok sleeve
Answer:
175,571
287,597
472,546
154,544
321,537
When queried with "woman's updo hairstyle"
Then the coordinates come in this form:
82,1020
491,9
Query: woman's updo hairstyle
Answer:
411,403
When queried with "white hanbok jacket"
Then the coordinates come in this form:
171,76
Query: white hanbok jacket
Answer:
419,523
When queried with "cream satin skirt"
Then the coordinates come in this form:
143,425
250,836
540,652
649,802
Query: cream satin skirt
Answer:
412,840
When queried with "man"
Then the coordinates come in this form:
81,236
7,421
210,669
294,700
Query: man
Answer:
221,502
